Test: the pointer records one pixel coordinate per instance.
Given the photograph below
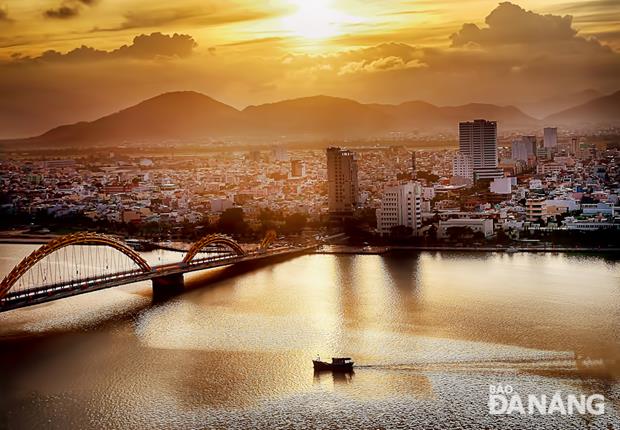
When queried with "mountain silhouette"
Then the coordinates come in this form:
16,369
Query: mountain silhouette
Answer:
176,115
187,116
602,111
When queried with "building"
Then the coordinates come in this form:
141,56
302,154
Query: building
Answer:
589,225
462,166
280,153
563,205
401,205
483,225
574,146
298,169
535,209
478,140
599,208
501,185
549,168
550,139
60,164
488,173
523,148
342,182
220,205
543,153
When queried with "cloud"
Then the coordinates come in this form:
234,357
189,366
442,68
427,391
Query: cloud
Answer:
157,44
198,15
509,24
4,15
384,55
62,12
517,56
379,65
144,46
588,6
68,9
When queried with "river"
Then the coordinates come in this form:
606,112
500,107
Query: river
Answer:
429,332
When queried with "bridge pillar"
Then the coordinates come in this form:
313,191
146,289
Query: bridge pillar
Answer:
166,286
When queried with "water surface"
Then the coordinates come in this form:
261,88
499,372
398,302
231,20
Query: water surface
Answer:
429,331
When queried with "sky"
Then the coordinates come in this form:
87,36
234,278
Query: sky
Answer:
63,61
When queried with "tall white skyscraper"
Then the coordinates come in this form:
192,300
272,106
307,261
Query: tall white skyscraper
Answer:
478,140
401,205
550,137
342,183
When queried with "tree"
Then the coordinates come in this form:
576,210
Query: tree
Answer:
295,223
231,221
502,237
400,231
431,234
478,235
458,232
430,177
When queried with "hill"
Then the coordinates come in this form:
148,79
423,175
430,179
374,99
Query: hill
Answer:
600,112
190,116
548,106
176,115
318,116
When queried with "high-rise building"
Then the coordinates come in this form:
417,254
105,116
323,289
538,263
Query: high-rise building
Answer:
478,140
280,153
574,146
524,148
342,184
298,169
413,166
401,205
550,139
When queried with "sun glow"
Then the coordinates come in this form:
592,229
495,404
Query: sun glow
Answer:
316,19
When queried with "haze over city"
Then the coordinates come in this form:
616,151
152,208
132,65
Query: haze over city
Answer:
63,61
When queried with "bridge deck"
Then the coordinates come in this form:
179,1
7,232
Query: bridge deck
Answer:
48,293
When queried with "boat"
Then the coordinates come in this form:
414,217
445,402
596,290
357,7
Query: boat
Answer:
512,250
338,364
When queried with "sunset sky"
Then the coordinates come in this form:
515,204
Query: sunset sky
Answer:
69,60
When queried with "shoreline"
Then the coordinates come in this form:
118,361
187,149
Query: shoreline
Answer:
368,250
380,250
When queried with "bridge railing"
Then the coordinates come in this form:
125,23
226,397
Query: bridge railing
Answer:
36,293
68,285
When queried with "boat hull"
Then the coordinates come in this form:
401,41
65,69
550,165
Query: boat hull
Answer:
322,365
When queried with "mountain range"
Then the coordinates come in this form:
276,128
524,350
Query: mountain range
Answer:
188,116
551,105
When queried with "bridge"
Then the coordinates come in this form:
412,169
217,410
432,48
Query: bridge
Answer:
84,262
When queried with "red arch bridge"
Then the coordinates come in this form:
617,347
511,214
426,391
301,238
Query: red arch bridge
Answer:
66,267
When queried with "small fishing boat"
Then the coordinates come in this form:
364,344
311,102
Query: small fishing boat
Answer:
338,364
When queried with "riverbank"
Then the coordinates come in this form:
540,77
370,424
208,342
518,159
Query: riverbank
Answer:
37,239
40,239
378,250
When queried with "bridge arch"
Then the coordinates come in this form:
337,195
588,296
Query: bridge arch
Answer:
212,239
269,238
82,238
